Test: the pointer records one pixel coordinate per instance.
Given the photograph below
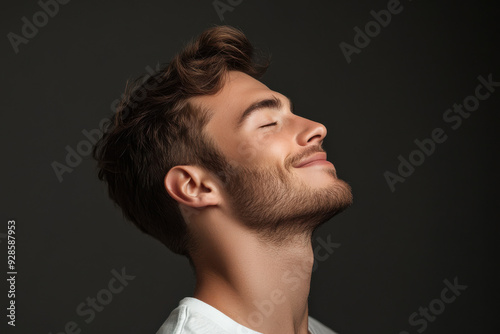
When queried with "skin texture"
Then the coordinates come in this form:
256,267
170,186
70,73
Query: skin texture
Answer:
253,221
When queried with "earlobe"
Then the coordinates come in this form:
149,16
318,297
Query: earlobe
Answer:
191,186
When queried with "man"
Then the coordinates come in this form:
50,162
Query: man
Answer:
215,165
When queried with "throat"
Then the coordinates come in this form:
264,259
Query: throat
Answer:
263,288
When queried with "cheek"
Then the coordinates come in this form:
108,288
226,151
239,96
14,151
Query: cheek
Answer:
254,151
271,149
262,139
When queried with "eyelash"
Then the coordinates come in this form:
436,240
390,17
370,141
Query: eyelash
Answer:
270,124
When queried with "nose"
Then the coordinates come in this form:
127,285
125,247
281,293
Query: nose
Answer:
310,132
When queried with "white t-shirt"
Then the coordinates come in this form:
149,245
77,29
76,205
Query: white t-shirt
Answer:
194,316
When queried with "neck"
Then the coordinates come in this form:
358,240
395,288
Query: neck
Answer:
261,286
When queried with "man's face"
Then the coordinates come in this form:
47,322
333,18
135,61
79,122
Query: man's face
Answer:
277,179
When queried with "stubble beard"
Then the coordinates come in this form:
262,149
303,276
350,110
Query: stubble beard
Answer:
278,206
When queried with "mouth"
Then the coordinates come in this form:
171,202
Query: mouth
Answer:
316,159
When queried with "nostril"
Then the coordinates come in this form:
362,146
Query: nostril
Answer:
315,137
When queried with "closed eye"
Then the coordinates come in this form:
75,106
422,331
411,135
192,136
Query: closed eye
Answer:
270,124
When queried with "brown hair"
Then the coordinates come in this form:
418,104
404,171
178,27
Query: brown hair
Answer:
155,128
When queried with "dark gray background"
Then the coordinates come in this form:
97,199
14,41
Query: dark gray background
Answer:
396,247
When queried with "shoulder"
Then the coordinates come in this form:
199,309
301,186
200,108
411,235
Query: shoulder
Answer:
193,316
183,320
317,327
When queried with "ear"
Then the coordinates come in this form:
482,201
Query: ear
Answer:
192,186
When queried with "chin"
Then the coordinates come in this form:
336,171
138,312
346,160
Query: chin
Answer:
323,178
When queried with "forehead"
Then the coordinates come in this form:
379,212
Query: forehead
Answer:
238,92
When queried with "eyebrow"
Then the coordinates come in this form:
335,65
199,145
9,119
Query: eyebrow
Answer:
269,103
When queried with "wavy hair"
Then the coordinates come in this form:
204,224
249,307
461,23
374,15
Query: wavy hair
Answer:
155,128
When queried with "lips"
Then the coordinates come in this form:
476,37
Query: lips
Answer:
313,159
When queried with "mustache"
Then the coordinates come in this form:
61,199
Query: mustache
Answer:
290,161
